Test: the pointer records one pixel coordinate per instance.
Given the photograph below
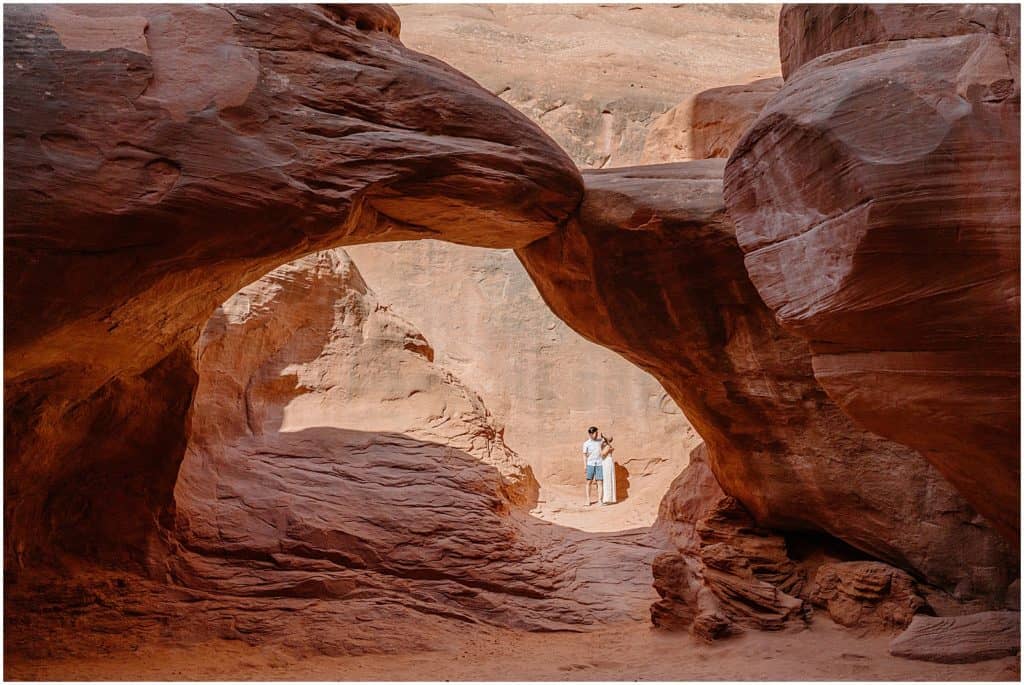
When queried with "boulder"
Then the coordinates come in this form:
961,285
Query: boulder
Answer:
651,269
876,201
960,639
708,124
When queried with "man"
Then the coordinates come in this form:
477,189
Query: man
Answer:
592,458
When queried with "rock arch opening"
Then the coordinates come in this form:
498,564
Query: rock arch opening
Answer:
136,206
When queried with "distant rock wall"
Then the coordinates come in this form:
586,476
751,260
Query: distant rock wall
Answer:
541,380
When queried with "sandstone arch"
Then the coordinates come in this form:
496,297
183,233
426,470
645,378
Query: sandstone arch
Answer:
161,157
137,204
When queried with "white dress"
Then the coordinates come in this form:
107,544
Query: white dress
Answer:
608,471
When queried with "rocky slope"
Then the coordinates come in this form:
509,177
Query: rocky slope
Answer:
640,61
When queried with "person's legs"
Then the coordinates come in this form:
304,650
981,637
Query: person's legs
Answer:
592,472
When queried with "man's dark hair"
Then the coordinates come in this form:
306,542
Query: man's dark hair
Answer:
592,429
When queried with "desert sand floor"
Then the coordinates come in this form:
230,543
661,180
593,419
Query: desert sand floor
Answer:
631,651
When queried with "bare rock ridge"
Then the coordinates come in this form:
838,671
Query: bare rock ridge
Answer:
876,201
650,267
149,177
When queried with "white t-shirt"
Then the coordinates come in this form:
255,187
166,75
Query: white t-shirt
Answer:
592,448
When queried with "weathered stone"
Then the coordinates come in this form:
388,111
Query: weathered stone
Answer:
809,31
160,157
960,639
725,573
867,594
708,124
651,269
876,200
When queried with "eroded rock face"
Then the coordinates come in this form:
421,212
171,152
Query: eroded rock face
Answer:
876,200
651,269
157,159
809,31
595,77
541,380
708,124
725,573
960,639
867,594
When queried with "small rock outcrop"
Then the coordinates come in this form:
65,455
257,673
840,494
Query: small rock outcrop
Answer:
877,203
725,574
708,124
867,594
960,639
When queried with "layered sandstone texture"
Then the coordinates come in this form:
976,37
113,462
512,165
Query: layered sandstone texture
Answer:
596,77
653,251
331,458
960,639
876,201
724,573
158,158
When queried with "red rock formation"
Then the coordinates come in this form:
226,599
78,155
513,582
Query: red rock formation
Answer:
809,31
651,269
877,202
308,518
960,639
709,124
725,574
867,594
157,159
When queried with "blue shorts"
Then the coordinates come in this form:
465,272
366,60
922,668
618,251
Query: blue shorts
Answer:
594,472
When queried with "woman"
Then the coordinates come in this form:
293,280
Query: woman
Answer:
608,469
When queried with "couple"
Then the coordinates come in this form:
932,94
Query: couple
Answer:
597,452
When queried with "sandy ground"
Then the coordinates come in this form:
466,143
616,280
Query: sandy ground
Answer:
631,651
